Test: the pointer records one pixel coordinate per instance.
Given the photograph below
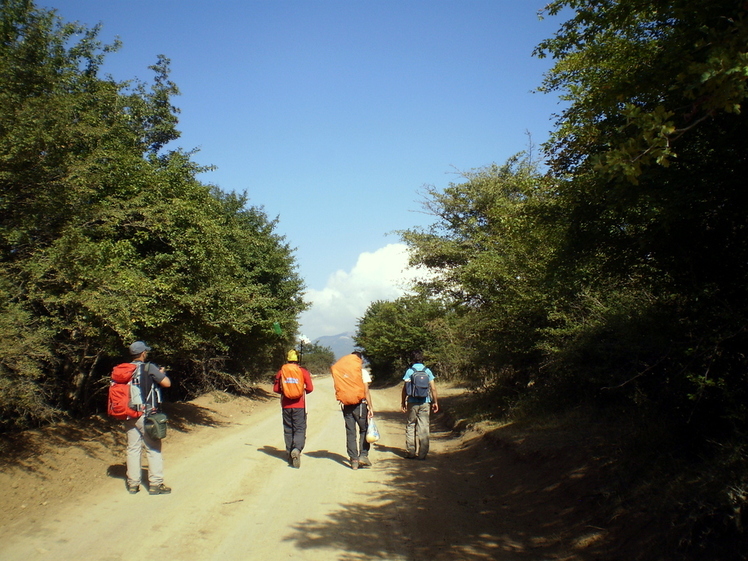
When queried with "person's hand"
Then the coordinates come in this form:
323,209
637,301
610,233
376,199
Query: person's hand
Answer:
404,407
370,414
435,407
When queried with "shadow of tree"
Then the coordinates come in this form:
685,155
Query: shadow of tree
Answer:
93,435
97,434
483,500
184,416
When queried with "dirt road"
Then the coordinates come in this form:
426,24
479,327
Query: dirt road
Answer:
235,498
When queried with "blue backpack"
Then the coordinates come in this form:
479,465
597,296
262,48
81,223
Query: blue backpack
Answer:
419,385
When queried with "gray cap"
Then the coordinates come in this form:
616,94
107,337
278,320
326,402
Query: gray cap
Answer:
138,347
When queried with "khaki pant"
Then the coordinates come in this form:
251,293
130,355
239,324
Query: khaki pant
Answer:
417,430
136,439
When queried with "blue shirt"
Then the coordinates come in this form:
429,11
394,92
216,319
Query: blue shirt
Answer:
418,367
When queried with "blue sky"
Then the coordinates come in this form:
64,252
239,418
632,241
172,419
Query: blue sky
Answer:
333,114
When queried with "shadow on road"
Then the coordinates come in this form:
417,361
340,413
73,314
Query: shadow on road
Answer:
471,501
183,416
327,455
274,452
119,471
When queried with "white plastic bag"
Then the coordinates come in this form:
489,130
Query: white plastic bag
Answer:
372,433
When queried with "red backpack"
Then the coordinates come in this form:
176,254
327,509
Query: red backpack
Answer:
125,401
292,381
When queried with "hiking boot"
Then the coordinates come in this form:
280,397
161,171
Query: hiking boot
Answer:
364,461
295,458
132,489
354,464
159,490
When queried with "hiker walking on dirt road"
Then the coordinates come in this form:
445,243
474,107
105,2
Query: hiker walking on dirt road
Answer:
151,377
419,398
351,382
293,383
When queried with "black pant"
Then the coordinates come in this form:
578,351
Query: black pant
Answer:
294,428
356,416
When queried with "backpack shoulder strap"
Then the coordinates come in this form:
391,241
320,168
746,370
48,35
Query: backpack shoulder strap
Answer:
154,393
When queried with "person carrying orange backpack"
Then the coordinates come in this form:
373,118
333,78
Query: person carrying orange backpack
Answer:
293,382
351,380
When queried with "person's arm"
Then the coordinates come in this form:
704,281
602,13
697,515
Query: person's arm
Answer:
369,402
276,383
404,400
159,375
434,397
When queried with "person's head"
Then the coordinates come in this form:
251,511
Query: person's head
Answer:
292,356
138,348
358,354
417,357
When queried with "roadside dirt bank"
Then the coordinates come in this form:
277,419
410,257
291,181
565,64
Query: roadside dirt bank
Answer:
485,491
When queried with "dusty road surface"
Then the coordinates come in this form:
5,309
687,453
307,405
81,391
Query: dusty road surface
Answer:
235,498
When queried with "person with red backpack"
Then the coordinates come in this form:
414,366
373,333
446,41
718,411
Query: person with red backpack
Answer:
293,382
149,378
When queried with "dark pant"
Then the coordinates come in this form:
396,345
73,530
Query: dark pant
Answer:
294,428
356,416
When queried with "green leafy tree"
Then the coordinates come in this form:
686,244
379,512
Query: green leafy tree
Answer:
651,150
317,358
641,76
390,332
652,142
106,237
488,249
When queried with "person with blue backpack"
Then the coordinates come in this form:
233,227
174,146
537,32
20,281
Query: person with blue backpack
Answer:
419,399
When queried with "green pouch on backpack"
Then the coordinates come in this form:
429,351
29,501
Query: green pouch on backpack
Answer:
155,425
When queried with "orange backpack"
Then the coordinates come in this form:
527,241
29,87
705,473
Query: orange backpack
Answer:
292,381
349,384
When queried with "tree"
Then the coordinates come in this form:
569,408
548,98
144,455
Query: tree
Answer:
652,144
651,151
317,358
488,249
390,332
105,236
640,76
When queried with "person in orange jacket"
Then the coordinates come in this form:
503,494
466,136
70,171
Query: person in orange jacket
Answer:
293,382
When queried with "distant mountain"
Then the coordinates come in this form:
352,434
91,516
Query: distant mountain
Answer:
341,344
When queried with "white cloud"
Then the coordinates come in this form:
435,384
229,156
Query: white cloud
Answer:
382,275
